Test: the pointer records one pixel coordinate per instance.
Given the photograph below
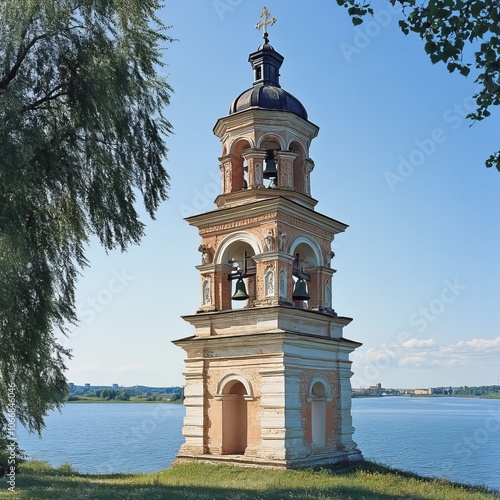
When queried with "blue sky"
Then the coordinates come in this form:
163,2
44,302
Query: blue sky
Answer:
418,268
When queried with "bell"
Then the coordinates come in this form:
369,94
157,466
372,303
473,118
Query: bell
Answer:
241,291
300,290
270,171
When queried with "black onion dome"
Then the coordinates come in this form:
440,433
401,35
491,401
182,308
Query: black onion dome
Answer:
266,92
268,97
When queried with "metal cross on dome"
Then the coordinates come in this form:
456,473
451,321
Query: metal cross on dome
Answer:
266,21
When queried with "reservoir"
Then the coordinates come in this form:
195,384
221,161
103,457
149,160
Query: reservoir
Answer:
456,438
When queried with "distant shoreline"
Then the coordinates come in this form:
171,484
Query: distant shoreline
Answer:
117,401
462,396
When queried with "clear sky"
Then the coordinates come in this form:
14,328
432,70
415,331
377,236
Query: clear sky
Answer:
419,267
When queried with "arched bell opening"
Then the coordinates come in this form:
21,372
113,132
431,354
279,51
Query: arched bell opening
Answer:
239,165
234,418
272,145
304,280
238,254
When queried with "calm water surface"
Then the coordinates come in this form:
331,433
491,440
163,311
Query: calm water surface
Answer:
103,438
451,437
456,438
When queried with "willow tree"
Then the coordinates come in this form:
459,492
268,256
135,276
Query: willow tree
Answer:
82,135
463,34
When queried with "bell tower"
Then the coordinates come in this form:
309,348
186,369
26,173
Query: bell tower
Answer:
267,369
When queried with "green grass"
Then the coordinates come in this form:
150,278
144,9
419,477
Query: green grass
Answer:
206,482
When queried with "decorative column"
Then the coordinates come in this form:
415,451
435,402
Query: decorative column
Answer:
225,168
193,429
222,287
308,168
255,163
272,404
285,169
345,427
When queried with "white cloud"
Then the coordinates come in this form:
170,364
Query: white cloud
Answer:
414,343
481,344
372,355
428,353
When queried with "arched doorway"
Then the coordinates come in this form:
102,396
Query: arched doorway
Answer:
318,414
234,419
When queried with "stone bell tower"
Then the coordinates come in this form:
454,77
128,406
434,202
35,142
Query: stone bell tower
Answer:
267,369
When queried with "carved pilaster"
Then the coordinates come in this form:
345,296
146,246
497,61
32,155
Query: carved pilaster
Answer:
231,167
222,287
285,169
280,264
225,168
308,168
255,163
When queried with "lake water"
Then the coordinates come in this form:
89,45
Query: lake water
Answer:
438,437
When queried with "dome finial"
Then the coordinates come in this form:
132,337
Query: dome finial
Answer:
266,21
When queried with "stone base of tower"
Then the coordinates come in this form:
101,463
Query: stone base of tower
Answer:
326,460
268,387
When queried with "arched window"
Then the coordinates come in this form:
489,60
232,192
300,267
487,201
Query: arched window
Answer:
234,391
234,419
318,397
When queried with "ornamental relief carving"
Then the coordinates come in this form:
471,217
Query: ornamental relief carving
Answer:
238,223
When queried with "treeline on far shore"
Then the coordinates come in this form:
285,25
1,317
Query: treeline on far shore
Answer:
136,394
482,391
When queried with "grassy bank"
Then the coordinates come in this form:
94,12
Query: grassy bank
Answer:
199,481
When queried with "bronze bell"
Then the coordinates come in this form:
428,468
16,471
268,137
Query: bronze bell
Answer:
300,290
270,171
240,291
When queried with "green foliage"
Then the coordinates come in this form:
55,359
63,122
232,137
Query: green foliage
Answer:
448,27
82,134
176,396
122,395
482,390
